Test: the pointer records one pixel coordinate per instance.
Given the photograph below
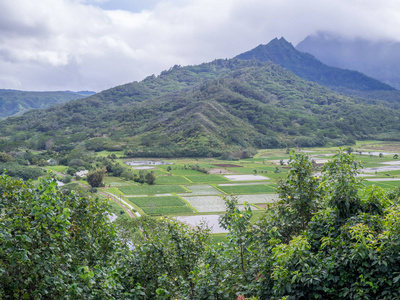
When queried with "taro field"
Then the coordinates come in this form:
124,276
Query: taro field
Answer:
183,190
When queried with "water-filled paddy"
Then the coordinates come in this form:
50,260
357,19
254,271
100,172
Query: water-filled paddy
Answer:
210,220
245,177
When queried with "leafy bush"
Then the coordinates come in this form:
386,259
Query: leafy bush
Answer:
53,235
23,172
95,178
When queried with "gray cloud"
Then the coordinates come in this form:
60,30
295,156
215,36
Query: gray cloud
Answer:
98,44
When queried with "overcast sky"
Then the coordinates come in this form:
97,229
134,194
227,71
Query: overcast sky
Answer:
98,44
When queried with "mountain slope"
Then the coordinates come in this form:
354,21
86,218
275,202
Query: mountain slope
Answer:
378,59
281,52
13,102
204,110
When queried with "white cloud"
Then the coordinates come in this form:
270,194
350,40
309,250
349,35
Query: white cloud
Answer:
77,44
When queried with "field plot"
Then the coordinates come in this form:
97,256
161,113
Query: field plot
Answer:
264,169
383,184
245,177
381,169
161,205
206,203
171,180
210,220
247,189
396,162
260,198
383,179
152,189
375,153
167,210
115,181
186,172
232,184
157,201
143,168
201,189
207,179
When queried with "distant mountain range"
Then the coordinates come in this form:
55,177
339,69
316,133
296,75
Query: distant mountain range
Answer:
378,59
306,66
213,109
13,102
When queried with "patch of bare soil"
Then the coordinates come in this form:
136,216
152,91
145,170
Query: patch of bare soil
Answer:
220,171
227,166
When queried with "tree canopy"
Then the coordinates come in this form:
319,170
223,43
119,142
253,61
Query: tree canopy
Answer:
328,237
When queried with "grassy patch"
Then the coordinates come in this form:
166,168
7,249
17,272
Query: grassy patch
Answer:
202,190
152,189
171,180
217,238
158,201
116,209
186,172
166,210
383,184
105,153
207,179
115,181
114,191
60,169
261,170
247,189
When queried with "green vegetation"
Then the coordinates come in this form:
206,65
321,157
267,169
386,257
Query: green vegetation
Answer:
382,184
328,237
95,178
54,245
226,108
16,170
207,179
186,172
152,189
247,189
172,180
60,169
306,66
157,201
166,210
14,102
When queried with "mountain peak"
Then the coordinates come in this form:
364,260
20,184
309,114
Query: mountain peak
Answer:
282,41
305,65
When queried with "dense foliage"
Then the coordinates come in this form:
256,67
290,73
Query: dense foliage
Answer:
53,245
14,102
327,237
213,109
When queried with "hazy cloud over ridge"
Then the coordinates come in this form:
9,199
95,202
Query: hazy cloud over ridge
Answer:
98,44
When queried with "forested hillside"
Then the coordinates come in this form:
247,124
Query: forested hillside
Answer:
205,110
213,109
13,102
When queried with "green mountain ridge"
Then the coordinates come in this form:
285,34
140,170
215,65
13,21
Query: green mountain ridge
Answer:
205,110
14,102
306,66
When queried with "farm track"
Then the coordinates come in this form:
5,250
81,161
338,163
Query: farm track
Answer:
131,214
